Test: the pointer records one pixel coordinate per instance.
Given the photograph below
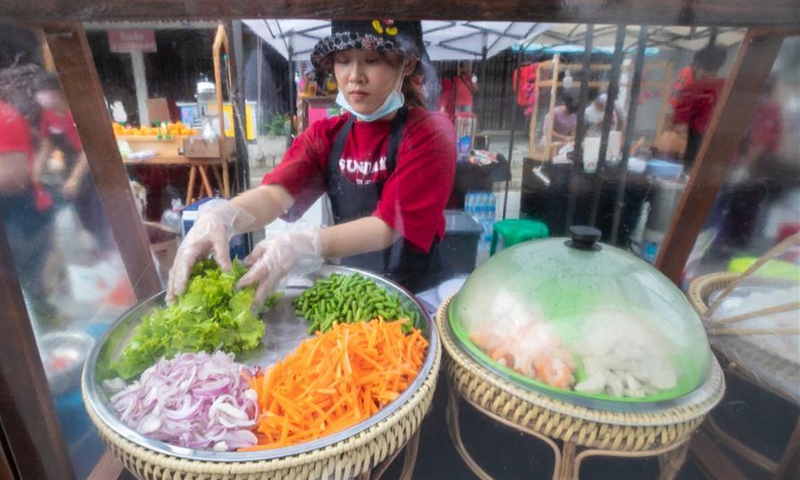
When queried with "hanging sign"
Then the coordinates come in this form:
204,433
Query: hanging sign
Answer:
127,41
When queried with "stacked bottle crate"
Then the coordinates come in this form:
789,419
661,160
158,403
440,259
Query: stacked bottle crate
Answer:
482,206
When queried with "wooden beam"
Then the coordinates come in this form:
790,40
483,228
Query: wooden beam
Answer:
36,446
711,460
81,84
732,115
789,467
6,469
650,12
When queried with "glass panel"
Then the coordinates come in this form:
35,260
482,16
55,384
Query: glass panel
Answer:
758,206
71,273
519,173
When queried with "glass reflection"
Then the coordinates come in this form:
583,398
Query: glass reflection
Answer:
70,269
67,263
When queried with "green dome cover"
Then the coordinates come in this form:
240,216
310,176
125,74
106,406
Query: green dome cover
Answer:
582,321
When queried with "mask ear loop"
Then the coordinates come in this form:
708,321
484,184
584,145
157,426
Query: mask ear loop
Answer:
398,86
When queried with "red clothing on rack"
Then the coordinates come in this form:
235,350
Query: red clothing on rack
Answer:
525,84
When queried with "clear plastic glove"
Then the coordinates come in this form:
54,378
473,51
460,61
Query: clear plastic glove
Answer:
298,252
217,222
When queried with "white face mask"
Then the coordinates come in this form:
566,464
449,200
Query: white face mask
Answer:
394,101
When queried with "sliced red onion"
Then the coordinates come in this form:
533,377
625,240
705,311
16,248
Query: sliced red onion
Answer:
197,401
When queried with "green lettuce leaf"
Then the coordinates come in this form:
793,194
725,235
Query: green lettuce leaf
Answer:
209,316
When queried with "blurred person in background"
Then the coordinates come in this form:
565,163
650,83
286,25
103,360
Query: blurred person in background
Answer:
25,207
57,131
695,101
595,112
464,87
565,119
753,184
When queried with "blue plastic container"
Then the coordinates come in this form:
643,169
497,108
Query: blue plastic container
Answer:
237,243
664,169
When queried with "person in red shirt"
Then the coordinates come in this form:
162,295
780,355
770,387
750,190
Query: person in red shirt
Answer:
25,209
446,103
387,166
464,87
57,130
696,101
751,184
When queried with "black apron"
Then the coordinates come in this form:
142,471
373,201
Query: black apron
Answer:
401,262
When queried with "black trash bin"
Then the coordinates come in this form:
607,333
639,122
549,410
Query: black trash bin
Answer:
460,243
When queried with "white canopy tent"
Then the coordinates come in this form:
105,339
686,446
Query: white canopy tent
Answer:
685,38
444,40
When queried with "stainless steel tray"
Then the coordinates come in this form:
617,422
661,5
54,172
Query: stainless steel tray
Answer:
284,331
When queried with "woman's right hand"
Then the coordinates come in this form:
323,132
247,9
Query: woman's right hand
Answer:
217,222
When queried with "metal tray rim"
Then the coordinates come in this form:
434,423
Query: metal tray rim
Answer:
94,398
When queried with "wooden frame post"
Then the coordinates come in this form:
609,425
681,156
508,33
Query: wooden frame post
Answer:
81,84
36,446
736,107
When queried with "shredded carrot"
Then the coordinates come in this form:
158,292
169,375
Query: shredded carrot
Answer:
334,381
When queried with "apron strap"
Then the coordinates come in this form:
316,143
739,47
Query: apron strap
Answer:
395,134
338,142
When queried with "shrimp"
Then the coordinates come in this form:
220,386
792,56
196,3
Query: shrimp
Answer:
554,372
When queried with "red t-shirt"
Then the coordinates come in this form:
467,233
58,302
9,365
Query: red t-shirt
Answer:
51,123
414,195
464,87
767,126
696,103
17,137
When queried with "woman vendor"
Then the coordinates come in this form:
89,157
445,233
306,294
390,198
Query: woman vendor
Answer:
387,166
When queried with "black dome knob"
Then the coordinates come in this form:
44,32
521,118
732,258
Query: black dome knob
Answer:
583,237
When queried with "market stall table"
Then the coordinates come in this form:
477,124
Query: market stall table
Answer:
197,167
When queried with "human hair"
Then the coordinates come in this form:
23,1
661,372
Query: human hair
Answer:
18,46
411,91
569,103
710,58
48,83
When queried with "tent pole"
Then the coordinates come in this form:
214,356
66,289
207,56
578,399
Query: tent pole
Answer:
583,97
613,93
513,131
580,128
629,130
484,52
292,89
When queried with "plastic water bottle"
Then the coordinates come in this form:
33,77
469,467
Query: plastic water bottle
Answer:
172,218
492,207
469,204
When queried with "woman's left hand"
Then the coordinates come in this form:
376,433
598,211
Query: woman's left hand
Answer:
274,257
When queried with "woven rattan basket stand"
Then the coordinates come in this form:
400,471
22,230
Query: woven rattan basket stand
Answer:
699,292
582,432
365,455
